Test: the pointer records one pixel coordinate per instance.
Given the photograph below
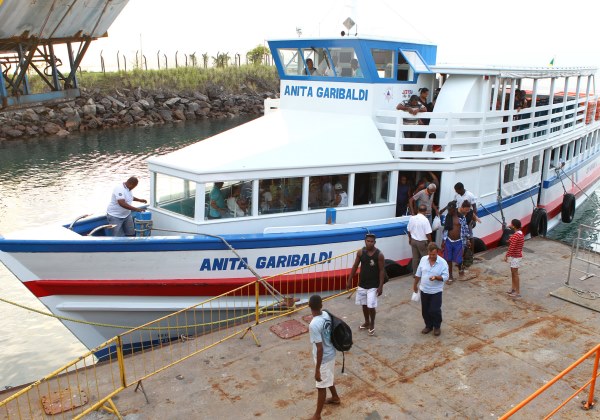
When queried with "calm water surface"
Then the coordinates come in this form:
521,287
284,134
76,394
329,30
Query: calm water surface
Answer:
54,181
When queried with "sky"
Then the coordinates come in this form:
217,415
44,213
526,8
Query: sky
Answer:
511,32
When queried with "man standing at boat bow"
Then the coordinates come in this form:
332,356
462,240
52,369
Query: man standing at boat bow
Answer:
119,209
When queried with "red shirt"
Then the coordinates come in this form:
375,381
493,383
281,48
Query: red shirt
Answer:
515,245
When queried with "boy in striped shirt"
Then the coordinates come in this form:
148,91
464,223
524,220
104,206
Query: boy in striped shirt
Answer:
515,252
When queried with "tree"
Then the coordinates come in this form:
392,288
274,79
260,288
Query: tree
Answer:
257,55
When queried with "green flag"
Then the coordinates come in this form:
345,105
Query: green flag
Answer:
551,62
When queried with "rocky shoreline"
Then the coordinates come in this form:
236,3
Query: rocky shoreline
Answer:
126,108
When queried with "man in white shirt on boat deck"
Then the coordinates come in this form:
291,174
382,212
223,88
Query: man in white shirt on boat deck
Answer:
341,198
119,209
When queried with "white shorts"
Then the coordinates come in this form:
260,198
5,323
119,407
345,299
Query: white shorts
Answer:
366,297
326,374
515,262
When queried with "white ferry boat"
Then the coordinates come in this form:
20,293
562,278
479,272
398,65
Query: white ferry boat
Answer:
334,126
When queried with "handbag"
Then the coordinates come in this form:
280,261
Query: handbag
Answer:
416,297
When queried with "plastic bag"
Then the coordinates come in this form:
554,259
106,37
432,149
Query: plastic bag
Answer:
416,297
436,224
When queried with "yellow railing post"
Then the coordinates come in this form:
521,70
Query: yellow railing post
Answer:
590,402
256,307
120,361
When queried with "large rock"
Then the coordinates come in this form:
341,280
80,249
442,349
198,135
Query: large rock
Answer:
127,119
165,114
115,102
193,107
172,101
51,128
179,115
30,115
62,133
145,104
89,109
13,133
73,122
201,96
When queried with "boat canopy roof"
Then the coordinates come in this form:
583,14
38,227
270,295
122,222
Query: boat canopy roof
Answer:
516,72
286,141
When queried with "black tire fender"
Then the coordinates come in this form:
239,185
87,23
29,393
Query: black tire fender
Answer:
567,210
478,245
539,222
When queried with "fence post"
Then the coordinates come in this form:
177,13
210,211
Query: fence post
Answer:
256,294
590,402
121,361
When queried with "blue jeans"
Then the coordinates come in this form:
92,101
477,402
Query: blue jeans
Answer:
124,225
431,309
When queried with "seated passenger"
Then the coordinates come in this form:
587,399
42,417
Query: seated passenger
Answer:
356,70
312,71
341,198
233,203
265,198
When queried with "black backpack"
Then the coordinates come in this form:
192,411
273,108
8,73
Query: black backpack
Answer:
341,336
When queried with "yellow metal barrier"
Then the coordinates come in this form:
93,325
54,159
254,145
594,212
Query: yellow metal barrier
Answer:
84,386
588,404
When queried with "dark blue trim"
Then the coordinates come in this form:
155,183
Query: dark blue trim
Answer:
507,202
569,171
110,352
198,243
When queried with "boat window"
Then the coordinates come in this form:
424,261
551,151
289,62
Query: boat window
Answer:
280,195
327,191
509,173
343,63
404,71
384,63
228,199
414,59
523,165
371,187
175,195
291,62
535,164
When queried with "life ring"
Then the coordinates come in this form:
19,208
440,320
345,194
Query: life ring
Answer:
478,245
567,211
539,222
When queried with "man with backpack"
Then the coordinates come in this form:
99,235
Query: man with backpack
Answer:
371,279
323,353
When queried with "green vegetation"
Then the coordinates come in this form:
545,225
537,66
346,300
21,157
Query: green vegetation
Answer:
256,77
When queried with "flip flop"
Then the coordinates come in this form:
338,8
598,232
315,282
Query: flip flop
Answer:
450,281
363,327
514,295
510,292
332,401
372,332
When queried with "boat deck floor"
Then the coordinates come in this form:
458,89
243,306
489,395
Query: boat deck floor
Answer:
493,352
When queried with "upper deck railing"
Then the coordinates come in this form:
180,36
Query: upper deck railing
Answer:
469,134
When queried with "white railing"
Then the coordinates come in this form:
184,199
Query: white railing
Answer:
458,135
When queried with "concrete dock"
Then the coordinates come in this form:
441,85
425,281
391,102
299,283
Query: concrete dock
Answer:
493,352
